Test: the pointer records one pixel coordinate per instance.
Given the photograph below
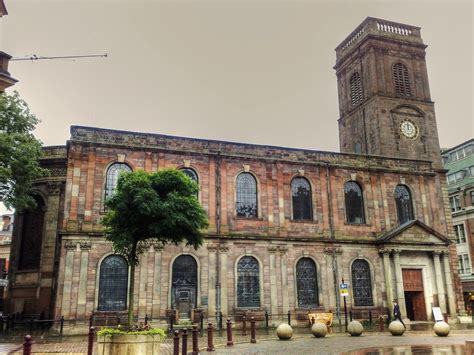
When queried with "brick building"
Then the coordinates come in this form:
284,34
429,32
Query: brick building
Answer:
285,224
459,161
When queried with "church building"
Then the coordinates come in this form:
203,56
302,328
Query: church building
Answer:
286,225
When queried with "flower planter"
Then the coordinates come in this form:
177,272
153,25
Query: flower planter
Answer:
129,344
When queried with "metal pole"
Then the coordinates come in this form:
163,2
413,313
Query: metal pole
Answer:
195,340
185,342
210,343
252,330
27,345
176,343
229,333
90,345
345,313
244,325
266,319
289,317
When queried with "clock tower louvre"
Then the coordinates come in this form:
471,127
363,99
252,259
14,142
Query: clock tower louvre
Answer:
385,106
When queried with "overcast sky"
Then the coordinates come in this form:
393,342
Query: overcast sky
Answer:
239,70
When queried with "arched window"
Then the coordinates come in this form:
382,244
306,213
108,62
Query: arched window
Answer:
184,285
361,283
307,283
302,201
112,176
190,173
356,89
32,236
401,80
248,282
404,204
354,202
246,204
113,284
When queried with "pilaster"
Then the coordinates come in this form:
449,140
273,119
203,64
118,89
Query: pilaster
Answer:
223,249
449,284
156,302
284,278
388,278
272,250
399,283
211,305
439,281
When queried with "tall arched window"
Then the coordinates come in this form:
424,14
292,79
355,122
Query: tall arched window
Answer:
301,197
246,204
191,173
401,80
113,284
354,203
361,283
356,89
404,204
32,236
248,282
184,285
112,176
307,283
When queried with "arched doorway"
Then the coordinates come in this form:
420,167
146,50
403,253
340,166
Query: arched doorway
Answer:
184,285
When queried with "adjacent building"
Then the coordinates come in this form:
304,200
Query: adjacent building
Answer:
459,161
286,225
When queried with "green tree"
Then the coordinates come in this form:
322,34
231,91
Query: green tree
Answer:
20,152
152,208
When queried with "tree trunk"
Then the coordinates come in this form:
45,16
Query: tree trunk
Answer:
131,289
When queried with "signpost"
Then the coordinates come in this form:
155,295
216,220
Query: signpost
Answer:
344,292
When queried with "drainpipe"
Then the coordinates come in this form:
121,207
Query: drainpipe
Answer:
332,237
218,231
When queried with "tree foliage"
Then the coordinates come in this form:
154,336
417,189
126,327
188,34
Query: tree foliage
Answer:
152,208
20,152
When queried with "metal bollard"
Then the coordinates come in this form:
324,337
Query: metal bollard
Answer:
350,315
210,343
61,326
229,333
370,318
381,324
146,319
195,340
184,343
244,325
176,343
252,330
27,345
90,345
289,317
266,319
220,321
118,321
312,320
91,320
201,319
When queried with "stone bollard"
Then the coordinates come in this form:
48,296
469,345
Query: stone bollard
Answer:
184,346
355,328
90,344
396,328
210,343
284,331
253,339
229,333
319,330
441,329
176,343
195,340
244,325
27,345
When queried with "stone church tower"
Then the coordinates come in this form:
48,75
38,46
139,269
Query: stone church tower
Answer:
384,97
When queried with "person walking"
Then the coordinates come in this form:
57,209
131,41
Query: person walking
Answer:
397,315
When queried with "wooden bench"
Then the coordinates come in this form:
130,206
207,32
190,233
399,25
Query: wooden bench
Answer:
323,317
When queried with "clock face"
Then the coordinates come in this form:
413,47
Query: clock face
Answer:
409,129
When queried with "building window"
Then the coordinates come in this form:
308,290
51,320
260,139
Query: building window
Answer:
455,177
184,285
112,176
248,283
472,198
113,284
301,198
461,153
464,265
358,148
454,203
354,203
307,283
32,236
404,204
246,204
192,175
401,80
356,89
361,283
460,233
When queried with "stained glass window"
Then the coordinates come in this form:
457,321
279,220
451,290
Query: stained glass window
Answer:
112,176
354,202
361,283
302,202
401,80
248,282
113,284
307,283
246,204
404,204
32,236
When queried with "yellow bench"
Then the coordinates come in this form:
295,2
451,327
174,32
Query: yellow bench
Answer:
325,318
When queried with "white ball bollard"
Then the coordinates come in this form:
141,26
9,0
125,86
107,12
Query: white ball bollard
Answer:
396,328
284,331
319,329
355,328
441,329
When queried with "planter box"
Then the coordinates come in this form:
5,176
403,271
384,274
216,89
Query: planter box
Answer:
129,344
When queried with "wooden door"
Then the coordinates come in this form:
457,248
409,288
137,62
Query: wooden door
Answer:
419,310
412,280
414,293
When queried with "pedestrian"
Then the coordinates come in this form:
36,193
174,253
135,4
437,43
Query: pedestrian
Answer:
396,313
